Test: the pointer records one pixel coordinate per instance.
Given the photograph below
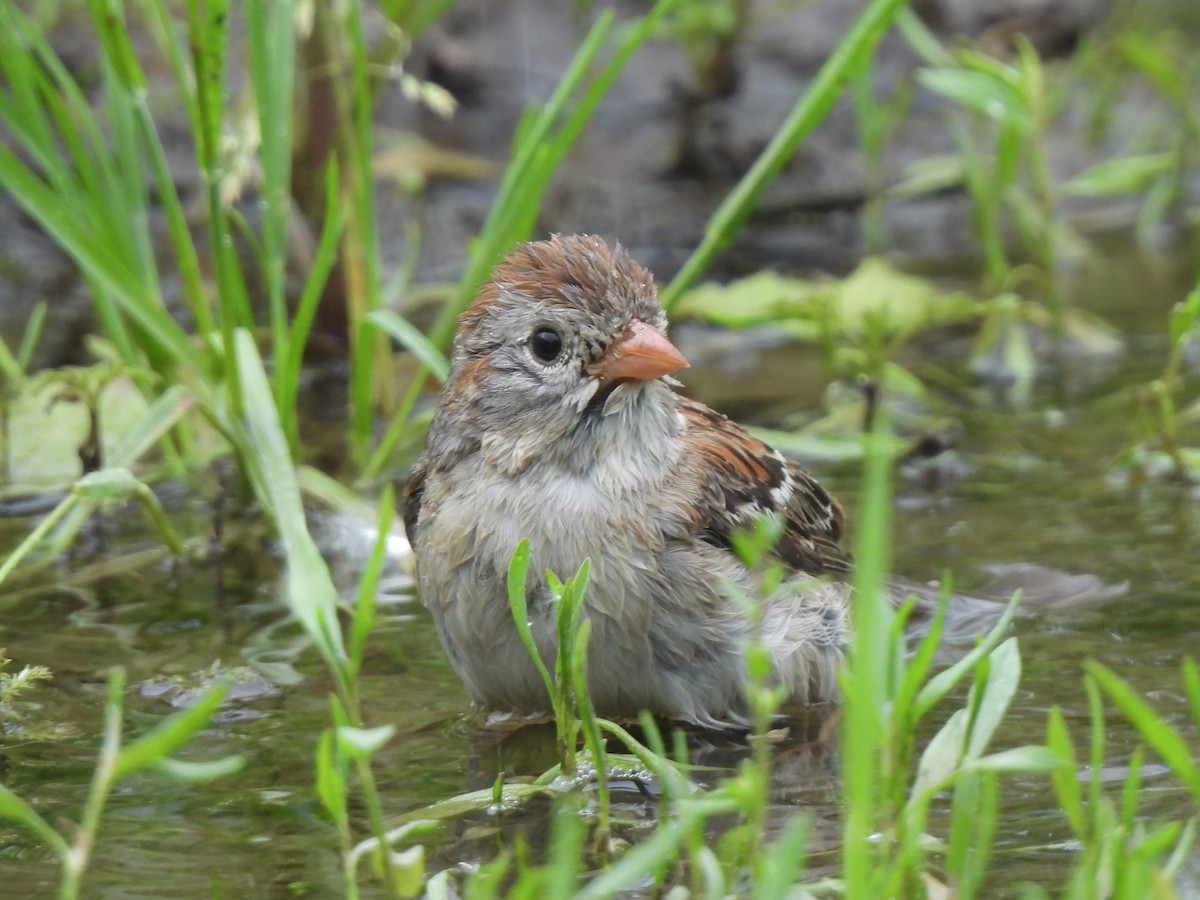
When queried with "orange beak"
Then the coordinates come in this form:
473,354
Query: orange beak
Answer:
640,354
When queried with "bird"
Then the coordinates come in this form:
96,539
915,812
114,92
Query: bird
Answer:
560,423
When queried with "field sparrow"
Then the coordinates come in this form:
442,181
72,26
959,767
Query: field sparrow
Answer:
559,424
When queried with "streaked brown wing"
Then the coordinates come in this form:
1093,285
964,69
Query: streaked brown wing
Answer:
741,478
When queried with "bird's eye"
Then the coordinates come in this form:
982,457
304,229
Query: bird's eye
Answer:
546,344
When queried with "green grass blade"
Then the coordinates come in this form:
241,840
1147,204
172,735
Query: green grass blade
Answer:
97,259
1191,684
918,666
1161,737
287,378
368,583
271,38
846,60
866,673
30,336
17,810
413,341
310,590
1066,776
518,569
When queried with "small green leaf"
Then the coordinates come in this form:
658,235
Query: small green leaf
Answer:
364,741
331,780
1030,758
1184,316
191,772
981,93
108,484
170,735
1125,175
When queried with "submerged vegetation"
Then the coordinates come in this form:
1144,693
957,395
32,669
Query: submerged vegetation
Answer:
210,331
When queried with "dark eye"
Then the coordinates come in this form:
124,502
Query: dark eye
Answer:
546,344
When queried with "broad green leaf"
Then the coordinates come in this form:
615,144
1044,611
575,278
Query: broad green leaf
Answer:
460,805
942,755
903,304
311,594
756,299
874,296
1002,680
944,681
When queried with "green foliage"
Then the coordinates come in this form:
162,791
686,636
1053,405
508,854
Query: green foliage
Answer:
116,764
887,694
708,31
14,372
1159,169
60,526
849,58
1003,154
1120,855
14,687
875,294
565,689
1158,446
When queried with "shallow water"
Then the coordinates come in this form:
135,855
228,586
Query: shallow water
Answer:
1039,490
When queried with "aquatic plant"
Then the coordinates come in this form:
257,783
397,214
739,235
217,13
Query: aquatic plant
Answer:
117,763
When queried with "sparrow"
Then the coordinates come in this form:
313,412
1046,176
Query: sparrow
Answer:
559,423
